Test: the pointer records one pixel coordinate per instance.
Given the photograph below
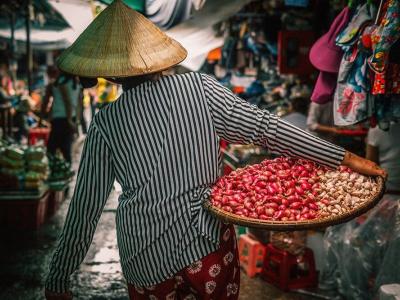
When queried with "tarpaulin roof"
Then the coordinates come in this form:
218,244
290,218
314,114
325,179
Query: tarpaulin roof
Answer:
43,15
196,34
138,5
77,14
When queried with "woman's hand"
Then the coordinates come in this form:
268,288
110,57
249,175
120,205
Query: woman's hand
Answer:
362,165
58,296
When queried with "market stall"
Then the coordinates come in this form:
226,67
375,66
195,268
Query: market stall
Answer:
32,185
272,68
307,221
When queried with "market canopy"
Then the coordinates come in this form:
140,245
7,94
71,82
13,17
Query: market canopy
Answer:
65,21
43,15
138,5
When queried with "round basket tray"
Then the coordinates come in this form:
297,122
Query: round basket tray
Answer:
299,225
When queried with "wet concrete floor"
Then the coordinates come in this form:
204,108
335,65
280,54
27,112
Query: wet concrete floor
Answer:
25,257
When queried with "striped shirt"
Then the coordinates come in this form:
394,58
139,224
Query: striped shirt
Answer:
160,141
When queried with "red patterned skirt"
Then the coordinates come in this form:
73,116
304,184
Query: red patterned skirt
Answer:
215,276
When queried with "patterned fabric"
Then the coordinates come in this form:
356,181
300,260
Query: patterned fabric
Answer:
160,141
384,36
216,276
352,100
387,82
349,36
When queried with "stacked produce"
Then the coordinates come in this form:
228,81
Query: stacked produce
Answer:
59,169
286,189
22,167
37,167
12,167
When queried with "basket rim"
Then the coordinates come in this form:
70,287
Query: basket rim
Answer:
300,225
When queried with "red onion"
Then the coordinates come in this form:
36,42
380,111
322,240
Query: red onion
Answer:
281,189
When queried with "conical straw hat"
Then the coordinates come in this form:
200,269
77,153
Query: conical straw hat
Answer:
120,42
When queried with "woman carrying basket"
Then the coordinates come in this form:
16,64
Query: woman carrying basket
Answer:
160,141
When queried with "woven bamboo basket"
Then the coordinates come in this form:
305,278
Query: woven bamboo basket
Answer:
299,225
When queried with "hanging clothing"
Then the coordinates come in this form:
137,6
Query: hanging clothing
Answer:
349,36
324,88
353,99
168,13
387,55
325,55
387,82
160,141
385,35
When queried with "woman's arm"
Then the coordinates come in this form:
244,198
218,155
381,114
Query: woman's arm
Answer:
45,101
326,129
93,185
362,165
239,122
372,153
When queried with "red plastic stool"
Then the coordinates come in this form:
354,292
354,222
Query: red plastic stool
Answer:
251,255
38,134
288,271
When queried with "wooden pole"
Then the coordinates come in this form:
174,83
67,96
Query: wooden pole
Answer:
29,59
13,48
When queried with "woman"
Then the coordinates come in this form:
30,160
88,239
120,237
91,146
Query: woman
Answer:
65,91
383,147
160,141
298,112
320,121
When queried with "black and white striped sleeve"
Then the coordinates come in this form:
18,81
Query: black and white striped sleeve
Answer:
93,186
237,121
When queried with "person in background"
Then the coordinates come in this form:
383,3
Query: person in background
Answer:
298,112
107,93
6,80
64,90
383,147
320,121
22,113
5,109
81,120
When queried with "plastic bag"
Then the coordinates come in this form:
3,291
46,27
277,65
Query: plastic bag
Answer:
361,255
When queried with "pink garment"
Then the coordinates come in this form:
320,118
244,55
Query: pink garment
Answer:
324,88
324,54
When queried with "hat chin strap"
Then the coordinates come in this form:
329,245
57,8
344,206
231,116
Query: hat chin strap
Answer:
87,82
131,82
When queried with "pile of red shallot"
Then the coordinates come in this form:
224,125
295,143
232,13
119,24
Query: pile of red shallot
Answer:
283,189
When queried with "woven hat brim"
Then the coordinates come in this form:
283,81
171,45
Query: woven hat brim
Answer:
121,42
